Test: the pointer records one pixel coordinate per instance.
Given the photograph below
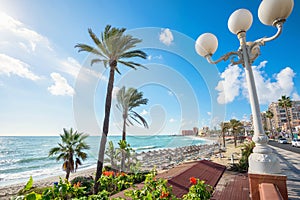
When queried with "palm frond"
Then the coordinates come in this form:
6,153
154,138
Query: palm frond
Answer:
134,53
136,115
131,43
132,64
89,49
127,64
53,151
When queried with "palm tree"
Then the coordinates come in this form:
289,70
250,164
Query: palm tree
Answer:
112,48
71,147
235,126
224,127
127,100
112,155
285,102
270,115
126,153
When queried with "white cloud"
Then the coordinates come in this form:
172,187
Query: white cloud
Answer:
172,120
166,37
150,57
209,113
73,67
10,65
268,90
144,112
229,87
70,66
271,90
295,97
30,38
26,43
61,86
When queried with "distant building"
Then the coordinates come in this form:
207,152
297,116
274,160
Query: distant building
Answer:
247,127
188,132
196,130
203,131
280,116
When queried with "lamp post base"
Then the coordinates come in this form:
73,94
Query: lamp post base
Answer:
256,179
263,163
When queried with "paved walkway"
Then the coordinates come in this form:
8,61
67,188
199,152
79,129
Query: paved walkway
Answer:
290,166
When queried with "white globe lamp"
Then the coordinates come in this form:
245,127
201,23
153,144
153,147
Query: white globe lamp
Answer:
240,21
206,44
270,11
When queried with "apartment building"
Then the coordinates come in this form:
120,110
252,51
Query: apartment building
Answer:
279,120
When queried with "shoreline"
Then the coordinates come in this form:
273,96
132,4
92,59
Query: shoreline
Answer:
8,191
11,190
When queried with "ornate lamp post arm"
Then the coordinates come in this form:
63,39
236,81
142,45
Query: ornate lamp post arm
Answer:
225,57
278,24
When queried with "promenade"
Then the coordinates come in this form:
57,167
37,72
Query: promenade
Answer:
232,183
290,166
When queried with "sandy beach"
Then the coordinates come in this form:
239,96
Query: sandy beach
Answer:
7,192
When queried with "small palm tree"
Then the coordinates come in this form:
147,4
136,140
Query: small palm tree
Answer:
127,100
112,49
224,127
71,147
285,102
112,155
236,126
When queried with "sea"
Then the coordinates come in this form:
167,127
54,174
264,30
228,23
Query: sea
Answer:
25,156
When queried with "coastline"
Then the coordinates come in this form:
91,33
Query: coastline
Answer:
10,190
6,192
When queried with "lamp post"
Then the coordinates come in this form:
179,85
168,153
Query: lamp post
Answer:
270,12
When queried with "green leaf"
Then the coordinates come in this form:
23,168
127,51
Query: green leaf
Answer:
33,196
28,185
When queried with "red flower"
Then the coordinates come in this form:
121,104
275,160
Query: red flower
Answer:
77,185
121,174
108,173
164,194
193,180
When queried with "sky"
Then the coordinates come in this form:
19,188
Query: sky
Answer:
47,85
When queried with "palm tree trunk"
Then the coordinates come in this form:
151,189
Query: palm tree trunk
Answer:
124,128
234,136
124,139
288,121
105,126
68,173
223,135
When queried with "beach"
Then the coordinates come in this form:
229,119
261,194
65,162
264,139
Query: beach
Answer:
8,191
22,157
207,152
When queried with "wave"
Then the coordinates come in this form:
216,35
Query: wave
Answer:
28,160
146,148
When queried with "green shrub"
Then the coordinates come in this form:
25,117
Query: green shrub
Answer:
199,190
63,190
243,164
152,189
87,182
